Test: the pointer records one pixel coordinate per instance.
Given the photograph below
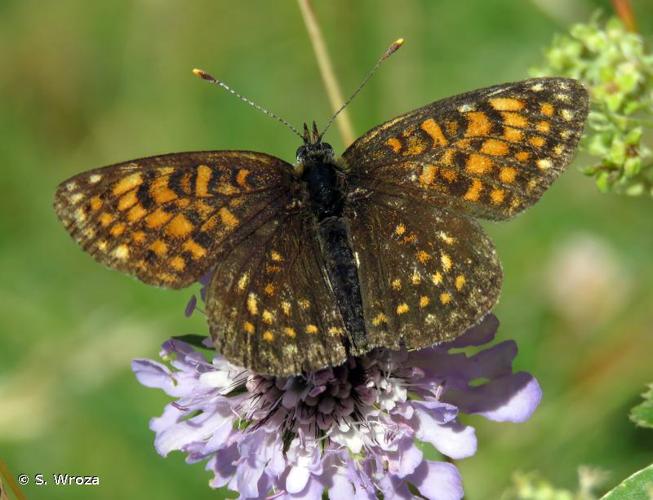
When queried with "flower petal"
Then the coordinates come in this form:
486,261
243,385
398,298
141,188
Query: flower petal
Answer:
394,488
439,411
153,374
198,428
218,379
247,477
480,334
313,490
495,361
341,487
171,415
405,460
223,465
438,481
220,436
513,398
297,479
452,439
347,436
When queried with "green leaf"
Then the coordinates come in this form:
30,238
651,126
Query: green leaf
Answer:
617,153
603,182
642,414
636,189
634,136
632,166
639,486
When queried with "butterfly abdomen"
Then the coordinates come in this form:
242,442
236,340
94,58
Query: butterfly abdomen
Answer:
343,276
327,202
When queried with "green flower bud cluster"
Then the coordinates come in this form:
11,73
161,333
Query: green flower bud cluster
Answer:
533,486
614,65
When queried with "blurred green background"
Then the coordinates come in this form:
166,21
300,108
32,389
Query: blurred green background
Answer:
84,84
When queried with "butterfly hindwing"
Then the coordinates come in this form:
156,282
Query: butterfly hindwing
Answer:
426,274
489,153
269,304
161,218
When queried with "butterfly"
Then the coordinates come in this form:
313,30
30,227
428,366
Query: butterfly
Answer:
332,257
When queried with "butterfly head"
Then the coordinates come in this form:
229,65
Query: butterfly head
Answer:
314,150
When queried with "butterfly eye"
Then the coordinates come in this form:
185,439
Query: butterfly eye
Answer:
301,154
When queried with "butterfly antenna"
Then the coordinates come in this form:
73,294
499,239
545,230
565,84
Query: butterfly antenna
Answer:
396,45
205,76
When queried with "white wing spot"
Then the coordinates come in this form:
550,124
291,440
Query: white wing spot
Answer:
544,164
121,252
76,198
290,350
80,215
95,178
567,114
449,240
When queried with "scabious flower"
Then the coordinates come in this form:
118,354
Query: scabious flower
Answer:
355,431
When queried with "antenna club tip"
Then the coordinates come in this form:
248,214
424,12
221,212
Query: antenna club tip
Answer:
202,74
394,47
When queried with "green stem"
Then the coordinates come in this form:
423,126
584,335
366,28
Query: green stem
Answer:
326,70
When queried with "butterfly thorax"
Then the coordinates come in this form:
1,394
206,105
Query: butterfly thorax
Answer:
324,185
322,180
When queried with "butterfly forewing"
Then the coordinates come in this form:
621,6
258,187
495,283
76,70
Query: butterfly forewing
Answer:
162,218
269,304
489,153
426,274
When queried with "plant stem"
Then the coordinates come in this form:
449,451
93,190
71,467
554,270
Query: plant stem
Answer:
9,478
326,69
624,10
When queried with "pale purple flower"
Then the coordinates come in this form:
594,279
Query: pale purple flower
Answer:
351,431
191,306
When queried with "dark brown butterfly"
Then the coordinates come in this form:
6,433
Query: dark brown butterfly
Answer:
329,257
